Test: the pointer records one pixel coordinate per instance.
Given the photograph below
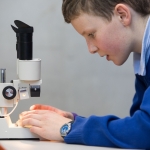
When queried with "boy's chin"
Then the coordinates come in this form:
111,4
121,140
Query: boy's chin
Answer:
118,63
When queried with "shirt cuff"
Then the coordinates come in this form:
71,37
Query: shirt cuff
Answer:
74,115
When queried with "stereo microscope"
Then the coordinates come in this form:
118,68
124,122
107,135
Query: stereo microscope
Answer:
28,75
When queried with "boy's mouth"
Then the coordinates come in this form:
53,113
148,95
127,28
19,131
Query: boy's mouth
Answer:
107,57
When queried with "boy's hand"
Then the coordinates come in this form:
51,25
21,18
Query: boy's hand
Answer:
58,111
45,123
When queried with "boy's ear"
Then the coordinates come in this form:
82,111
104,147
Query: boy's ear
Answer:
124,14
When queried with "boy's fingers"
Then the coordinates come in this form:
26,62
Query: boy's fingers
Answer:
19,123
36,130
22,114
39,106
33,116
32,107
31,122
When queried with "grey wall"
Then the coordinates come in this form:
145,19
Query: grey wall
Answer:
73,79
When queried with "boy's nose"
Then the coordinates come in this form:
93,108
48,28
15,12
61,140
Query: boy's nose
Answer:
91,46
92,49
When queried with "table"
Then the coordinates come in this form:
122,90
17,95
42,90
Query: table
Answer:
46,145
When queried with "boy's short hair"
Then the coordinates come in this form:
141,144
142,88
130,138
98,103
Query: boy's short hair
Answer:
104,8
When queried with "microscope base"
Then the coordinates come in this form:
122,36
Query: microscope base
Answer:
10,131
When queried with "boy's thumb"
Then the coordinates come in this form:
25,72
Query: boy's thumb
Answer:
32,107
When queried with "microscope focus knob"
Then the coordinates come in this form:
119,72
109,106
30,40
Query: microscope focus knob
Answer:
9,92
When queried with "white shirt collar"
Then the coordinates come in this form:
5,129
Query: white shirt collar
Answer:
140,60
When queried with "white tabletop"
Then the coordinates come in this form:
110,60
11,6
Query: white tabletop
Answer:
45,145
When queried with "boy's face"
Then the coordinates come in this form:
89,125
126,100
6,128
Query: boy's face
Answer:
110,39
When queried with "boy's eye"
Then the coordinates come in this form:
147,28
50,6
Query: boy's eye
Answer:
91,35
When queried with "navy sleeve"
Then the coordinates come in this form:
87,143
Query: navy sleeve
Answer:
140,88
111,131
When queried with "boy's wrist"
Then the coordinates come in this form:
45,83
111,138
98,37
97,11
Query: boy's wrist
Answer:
65,129
74,115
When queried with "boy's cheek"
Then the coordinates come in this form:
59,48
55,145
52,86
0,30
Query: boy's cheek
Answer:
109,46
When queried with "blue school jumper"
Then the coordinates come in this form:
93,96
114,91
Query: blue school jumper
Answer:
112,131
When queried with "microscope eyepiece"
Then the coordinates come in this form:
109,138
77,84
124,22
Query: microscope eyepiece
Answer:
24,43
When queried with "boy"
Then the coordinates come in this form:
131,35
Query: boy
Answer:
112,28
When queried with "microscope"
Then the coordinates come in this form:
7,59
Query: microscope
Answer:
27,85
